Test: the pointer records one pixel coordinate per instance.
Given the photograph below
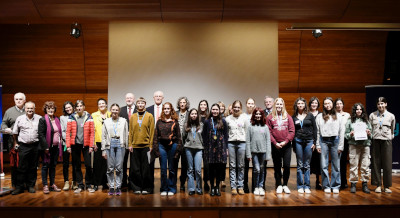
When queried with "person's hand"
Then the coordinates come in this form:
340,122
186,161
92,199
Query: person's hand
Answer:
8,130
130,149
249,159
339,151
368,132
95,148
313,147
69,150
90,150
352,133
105,156
319,150
278,145
46,151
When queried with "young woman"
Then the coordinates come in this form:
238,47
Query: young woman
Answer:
305,140
113,144
50,135
237,127
359,148
250,105
282,133
68,109
222,112
330,139
203,112
167,146
193,144
215,137
383,125
258,148
315,165
344,116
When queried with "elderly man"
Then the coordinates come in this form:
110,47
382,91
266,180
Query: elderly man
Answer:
7,125
26,141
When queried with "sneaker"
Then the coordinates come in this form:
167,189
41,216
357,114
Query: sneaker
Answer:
163,193
262,192
78,190
66,186
91,190
111,191
378,189
74,186
240,191
387,190
307,191
286,189
54,188
137,192
171,193
46,189
279,190
145,192
256,191
31,190
327,190
335,191
118,192
300,191
234,192
17,191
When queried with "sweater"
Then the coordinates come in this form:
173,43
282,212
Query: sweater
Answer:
330,128
108,132
8,121
98,124
195,142
237,127
88,130
167,134
280,133
307,131
141,137
258,141
350,127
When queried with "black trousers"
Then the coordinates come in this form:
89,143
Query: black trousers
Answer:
216,169
139,173
343,163
278,155
206,173
246,173
66,156
87,157
50,167
76,151
125,169
184,167
99,167
27,165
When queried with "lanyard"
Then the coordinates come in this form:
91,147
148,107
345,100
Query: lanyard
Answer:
215,130
301,123
140,120
115,128
194,132
381,119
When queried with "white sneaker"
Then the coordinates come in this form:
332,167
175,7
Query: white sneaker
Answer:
145,192
171,193
78,190
307,191
286,189
387,190
256,191
163,193
327,190
300,191
91,190
378,189
137,192
279,190
262,192
335,191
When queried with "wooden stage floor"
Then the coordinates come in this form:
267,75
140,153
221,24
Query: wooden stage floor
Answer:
99,204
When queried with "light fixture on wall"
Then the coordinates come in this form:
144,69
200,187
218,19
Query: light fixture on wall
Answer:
76,30
317,33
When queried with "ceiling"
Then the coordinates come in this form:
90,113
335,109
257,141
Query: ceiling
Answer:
62,11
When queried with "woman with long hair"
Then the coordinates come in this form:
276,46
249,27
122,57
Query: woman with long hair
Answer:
359,147
330,139
68,109
315,165
281,129
305,140
215,137
339,105
203,112
167,146
258,148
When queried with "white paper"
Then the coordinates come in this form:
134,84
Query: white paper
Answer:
360,131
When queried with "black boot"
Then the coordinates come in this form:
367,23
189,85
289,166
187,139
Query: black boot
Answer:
212,192
365,188
217,192
353,188
206,187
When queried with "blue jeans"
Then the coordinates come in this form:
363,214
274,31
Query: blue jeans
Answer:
194,156
330,146
237,151
258,169
167,155
303,156
115,160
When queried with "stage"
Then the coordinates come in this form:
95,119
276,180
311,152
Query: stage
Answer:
99,204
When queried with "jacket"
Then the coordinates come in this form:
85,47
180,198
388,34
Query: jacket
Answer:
88,130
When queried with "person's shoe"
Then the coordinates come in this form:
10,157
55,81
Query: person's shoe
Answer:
206,187
199,192
223,185
118,192
91,190
54,188
171,194
137,192
246,189
300,191
17,191
164,194
327,190
387,190
145,192
234,191
111,191
78,190
262,192
378,189
256,191
212,192
286,189
335,191
307,191
191,192
241,191
66,186
279,190
46,189
74,185
95,188
353,188
31,190
217,192
365,188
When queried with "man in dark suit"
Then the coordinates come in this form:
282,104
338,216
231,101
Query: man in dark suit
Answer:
155,110
126,112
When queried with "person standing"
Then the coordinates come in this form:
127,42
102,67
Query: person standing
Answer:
383,125
269,103
203,112
250,105
315,165
183,106
344,116
68,109
26,142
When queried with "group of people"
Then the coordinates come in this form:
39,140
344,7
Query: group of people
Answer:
203,137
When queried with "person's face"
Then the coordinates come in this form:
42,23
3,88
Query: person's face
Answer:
230,109
328,105
193,115
203,106
382,106
19,101
141,105
50,111
115,112
80,108
314,105
182,104
215,111
29,109
258,115
269,102
236,108
129,99
221,109
279,106
250,104
301,105
339,105
167,110
102,105
358,111
158,98
69,109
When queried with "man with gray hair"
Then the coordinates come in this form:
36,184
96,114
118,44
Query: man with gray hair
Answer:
7,125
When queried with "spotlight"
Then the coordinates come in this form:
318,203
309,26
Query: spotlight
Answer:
317,33
76,30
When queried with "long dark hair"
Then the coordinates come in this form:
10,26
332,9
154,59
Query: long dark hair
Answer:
325,113
336,101
263,119
313,99
190,122
65,104
207,110
218,119
364,115
296,110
